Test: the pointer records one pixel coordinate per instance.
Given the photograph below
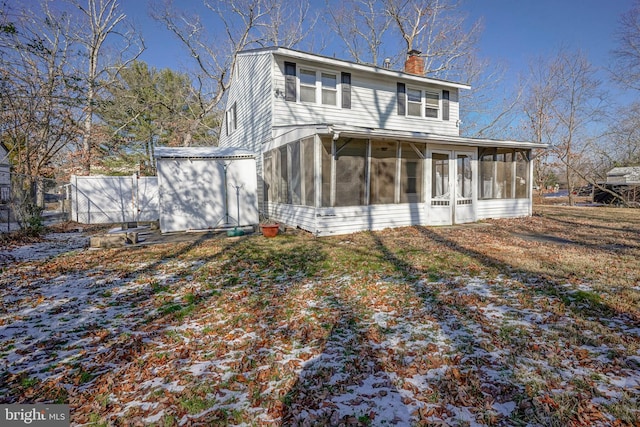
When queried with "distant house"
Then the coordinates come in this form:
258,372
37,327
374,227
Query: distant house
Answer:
5,177
624,175
344,147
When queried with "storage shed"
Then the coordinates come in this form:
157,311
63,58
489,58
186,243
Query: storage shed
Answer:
205,188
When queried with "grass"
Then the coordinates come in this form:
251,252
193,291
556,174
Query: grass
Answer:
522,321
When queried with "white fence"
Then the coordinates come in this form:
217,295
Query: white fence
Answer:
114,199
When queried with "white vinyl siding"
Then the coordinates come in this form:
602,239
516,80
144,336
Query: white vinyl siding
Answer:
373,104
251,93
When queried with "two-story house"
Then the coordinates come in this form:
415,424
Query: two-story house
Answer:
344,147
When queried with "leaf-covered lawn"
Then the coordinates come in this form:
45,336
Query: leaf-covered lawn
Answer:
532,321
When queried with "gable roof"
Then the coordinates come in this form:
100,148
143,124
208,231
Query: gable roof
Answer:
367,68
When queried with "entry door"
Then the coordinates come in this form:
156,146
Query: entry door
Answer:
464,208
441,209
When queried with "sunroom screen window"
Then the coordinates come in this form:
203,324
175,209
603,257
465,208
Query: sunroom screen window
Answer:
504,173
383,172
350,172
308,171
411,174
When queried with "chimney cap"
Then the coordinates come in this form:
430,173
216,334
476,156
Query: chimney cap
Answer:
414,52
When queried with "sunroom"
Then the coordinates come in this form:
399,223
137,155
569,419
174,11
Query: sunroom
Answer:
337,179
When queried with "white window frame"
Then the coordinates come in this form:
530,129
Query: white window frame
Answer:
423,103
232,119
319,88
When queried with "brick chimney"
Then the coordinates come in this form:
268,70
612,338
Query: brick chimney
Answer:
414,63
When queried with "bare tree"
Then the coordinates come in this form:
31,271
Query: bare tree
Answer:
564,100
38,95
438,29
362,26
101,20
240,24
627,55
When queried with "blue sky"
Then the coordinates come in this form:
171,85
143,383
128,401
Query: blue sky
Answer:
515,31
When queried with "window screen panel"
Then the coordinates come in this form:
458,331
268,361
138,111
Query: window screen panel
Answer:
411,174
382,182
294,173
267,178
522,175
308,161
283,176
326,171
350,172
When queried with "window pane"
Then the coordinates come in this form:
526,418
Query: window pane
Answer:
328,97
296,188
463,179
522,174
414,109
307,94
268,187
329,81
326,172
414,95
350,172
487,177
309,171
432,100
307,77
439,176
411,174
430,112
283,176
382,187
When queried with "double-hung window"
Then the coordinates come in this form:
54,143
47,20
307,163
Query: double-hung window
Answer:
318,87
419,103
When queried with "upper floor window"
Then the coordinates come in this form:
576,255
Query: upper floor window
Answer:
317,86
422,103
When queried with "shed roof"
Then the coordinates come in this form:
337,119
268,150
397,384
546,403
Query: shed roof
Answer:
621,171
202,153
